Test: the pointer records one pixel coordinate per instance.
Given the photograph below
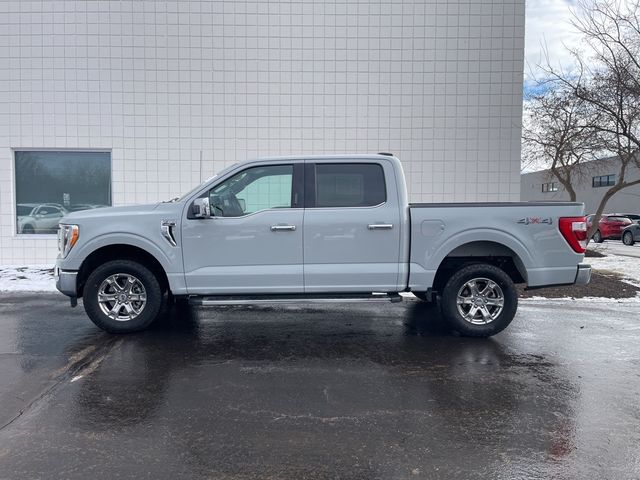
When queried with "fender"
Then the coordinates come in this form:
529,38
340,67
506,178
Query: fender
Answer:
170,264
433,261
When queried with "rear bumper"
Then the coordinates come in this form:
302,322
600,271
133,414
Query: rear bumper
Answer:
66,281
583,275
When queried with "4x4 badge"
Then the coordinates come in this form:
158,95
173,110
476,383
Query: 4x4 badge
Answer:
535,220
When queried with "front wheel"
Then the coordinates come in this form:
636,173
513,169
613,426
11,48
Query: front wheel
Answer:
627,238
122,296
479,300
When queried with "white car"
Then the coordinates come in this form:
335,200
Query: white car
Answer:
39,217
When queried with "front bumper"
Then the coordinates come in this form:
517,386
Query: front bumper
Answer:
583,276
66,281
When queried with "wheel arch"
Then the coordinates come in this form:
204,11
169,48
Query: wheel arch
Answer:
120,251
490,252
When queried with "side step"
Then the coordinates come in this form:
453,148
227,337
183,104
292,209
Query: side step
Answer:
293,299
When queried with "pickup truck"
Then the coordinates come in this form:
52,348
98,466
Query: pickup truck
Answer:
316,229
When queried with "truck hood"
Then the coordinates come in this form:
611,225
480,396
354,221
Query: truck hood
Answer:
110,212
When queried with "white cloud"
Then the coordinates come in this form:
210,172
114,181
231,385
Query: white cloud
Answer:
548,25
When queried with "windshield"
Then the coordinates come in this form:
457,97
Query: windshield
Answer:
199,186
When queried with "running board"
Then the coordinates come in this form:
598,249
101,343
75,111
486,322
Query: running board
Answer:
293,299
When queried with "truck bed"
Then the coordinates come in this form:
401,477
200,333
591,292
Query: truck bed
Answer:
525,231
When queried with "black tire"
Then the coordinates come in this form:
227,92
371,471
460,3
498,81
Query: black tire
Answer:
28,229
150,310
422,296
597,237
627,238
458,284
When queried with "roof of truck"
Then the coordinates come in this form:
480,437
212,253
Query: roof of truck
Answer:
345,156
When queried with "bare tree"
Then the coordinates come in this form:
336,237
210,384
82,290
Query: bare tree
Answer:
608,82
558,132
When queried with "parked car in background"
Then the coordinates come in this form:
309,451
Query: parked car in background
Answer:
609,228
631,234
634,217
39,217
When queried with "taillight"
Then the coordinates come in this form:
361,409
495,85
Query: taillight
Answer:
574,231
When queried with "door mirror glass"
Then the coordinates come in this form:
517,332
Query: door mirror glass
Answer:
201,208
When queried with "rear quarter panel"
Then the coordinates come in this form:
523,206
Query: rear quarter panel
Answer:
530,230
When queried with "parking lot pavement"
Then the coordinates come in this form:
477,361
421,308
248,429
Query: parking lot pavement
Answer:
357,392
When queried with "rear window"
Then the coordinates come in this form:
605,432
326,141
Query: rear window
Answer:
349,185
619,219
23,210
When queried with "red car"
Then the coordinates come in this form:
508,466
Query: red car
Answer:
609,228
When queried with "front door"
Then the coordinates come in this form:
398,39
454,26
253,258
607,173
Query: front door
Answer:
253,241
351,227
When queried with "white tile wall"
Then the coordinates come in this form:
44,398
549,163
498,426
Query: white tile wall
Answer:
165,83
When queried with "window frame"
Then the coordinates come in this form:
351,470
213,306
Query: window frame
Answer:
14,199
549,187
600,181
297,189
310,183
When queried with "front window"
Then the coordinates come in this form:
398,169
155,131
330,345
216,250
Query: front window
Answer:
252,190
50,184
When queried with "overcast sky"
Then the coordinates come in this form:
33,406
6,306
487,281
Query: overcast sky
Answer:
548,22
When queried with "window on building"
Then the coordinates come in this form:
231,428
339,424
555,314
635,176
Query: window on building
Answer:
51,184
253,189
549,187
603,181
349,185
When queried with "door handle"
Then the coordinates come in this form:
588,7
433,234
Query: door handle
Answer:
380,226
278,228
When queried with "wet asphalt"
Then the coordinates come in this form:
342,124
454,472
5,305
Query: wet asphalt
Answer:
376,391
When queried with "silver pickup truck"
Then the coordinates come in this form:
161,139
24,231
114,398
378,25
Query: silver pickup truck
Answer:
316,229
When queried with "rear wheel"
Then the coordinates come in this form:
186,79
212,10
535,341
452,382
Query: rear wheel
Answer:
627,238
122,296
479,300
597,237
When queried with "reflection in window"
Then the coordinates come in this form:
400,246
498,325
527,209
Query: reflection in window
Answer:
51,184
252,190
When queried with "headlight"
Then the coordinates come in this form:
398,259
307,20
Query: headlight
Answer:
67,238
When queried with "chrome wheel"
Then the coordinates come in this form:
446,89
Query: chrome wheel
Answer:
122,297
480,301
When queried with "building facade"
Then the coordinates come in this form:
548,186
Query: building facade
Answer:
120,102
591,183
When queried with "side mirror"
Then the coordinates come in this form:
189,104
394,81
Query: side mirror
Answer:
200,208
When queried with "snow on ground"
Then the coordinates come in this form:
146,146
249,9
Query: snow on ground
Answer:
627,267
616,247
31,278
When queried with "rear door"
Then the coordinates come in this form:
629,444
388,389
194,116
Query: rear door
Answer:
351,226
